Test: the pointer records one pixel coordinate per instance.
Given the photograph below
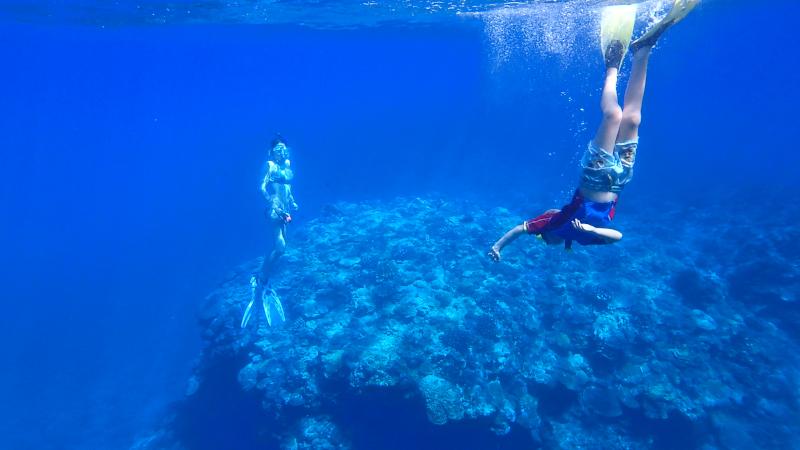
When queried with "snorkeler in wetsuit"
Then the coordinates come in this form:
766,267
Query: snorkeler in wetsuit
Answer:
277,189
607,165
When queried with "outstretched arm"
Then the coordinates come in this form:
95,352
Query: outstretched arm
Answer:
507,238
265,181
608,235
292,202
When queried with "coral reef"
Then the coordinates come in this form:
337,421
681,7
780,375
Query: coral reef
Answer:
677,328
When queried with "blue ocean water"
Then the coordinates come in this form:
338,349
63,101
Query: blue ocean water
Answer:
134,133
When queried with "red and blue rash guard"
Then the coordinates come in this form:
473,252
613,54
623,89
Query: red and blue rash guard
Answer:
559,223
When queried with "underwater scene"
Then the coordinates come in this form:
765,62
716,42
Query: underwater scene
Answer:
296,224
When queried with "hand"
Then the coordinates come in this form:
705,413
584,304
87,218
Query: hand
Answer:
282,216
580,226
494,254
277,214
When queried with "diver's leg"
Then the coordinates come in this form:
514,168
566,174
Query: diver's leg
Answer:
269,298
275,249
280,244
259,279
634,96
278,249
606,135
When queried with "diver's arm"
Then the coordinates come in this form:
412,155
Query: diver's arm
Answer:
292,202
608,235
507,238
264,186
265,181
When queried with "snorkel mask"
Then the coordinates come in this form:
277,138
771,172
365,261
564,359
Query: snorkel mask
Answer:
280,153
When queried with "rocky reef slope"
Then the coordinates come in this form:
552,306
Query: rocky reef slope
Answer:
400,333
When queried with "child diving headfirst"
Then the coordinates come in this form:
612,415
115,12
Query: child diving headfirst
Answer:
607,165
277,189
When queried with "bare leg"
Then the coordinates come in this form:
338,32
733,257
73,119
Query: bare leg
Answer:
634,95
278,247
612,113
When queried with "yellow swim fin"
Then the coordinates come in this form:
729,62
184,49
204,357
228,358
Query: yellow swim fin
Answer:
680,9
616,29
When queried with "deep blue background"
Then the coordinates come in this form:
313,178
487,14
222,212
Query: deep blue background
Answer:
129,159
